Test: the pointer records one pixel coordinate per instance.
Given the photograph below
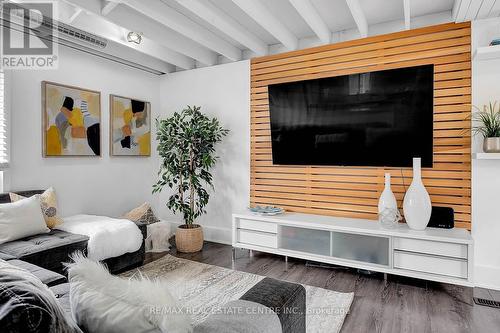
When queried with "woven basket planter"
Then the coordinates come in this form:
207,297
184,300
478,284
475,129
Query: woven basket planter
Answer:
189,240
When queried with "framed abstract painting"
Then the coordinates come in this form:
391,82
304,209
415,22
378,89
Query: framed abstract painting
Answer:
71,121
130,133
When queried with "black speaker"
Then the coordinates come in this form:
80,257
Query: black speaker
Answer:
442,217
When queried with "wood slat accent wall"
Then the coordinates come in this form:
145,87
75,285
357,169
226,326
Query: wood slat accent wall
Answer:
354,191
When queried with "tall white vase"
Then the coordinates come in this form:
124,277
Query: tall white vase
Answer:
387,199
417,202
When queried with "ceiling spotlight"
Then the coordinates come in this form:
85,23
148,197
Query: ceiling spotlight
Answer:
134,37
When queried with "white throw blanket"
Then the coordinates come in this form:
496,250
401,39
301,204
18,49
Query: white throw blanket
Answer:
108,237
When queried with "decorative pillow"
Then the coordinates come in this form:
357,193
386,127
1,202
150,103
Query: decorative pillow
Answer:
101,302
21,219
48,202
143,214
27,305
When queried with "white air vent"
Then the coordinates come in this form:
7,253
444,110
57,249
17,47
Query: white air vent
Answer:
81,35
64,30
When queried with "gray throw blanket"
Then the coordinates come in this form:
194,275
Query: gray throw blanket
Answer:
27,305
241,317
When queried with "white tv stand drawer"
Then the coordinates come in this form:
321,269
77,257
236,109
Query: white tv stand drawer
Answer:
443,255
258,226
258,238
425,263
430,247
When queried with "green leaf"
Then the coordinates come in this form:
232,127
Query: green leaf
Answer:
486,122
186,145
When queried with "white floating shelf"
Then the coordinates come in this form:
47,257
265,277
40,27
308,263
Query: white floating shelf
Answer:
486,156
487,53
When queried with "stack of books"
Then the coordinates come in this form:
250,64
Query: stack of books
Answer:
495,41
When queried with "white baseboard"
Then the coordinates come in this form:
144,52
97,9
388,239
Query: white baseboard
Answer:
211,234
487,277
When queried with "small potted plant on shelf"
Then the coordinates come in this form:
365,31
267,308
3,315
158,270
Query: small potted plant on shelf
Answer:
486,122
186,145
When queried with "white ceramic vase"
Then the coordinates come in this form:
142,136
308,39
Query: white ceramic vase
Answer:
417,202
387,199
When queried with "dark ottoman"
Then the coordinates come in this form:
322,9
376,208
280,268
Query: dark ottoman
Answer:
287,299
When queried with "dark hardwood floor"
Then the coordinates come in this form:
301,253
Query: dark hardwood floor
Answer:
401,305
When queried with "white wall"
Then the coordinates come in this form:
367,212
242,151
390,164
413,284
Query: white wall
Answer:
94,185
486,174
113,185
222,91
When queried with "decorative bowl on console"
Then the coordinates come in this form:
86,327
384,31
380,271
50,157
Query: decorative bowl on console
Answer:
266,210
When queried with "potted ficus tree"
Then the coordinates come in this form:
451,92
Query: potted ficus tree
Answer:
486,122
186,144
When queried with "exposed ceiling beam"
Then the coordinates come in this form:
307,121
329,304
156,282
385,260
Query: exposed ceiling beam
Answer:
358,16
216,17
257,11
306,9
168,16
406,5
128,18
485,9
108,6
95,24
455,8
473,10
133,21
495,9
460,9
73,17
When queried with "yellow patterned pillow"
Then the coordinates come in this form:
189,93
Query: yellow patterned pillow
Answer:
48,203
143,214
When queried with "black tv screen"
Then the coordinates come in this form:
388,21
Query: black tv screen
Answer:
382,118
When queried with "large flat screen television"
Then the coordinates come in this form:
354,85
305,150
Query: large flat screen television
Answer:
381,118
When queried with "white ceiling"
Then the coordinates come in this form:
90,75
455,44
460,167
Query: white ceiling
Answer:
196,33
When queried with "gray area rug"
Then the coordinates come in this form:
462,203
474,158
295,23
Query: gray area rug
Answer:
205,288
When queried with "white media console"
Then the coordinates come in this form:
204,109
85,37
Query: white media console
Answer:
443,255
